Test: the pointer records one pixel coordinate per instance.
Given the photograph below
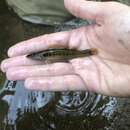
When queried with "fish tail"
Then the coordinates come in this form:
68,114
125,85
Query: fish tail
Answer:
89,52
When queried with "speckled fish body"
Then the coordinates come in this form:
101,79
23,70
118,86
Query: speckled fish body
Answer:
60,55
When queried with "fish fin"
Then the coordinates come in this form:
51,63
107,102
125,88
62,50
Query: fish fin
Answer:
66,61
51,62
47,62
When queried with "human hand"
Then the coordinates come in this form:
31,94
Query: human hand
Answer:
107,73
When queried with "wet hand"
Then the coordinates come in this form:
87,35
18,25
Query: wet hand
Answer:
106,73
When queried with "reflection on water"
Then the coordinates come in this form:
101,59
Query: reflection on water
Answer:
31,110
53,109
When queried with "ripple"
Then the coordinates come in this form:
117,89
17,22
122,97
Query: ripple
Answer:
52,108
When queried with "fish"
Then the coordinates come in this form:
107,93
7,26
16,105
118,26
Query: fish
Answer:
61,54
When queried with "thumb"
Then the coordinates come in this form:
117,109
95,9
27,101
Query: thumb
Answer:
85,9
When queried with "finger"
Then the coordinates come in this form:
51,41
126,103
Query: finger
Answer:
40,43
18,61
57,83
85,9
21,73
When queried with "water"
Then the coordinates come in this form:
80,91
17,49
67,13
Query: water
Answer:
22,109
53,109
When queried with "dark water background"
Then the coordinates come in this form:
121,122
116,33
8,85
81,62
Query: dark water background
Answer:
27,110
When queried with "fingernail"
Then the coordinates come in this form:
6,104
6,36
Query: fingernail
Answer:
9,76
28,84
10,52
3,66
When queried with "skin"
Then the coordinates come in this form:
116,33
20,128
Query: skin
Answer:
107,73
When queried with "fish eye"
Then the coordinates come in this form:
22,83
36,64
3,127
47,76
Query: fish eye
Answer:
45,54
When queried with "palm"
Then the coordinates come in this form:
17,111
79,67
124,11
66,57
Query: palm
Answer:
107,69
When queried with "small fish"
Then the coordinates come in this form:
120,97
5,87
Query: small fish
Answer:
60,55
